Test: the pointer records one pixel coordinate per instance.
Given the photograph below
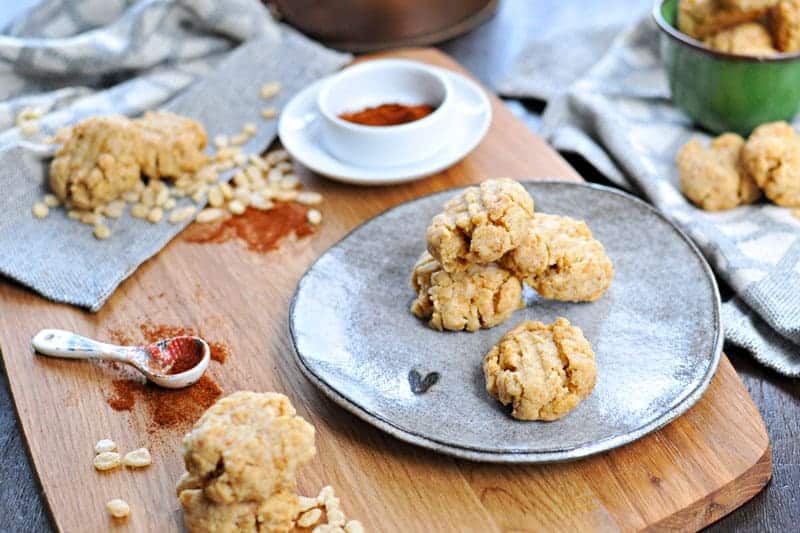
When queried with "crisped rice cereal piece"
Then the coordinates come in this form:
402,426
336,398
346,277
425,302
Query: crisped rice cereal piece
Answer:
97,163
714,178
543,371
560,259
482,296
137,458
749,39
480,224
118,508
701,18
172,144
784,20
248,447
772,157
202,515
106,461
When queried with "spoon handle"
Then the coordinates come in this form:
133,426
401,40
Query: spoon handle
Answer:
60,343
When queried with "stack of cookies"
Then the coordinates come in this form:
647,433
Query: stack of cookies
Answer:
488,241
482,248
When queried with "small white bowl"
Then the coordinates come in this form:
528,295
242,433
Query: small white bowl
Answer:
383,82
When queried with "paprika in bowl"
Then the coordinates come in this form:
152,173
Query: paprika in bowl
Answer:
413,99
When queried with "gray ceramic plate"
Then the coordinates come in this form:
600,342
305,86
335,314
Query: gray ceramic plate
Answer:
656,335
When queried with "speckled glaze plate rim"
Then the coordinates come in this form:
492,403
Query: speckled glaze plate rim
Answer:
521,457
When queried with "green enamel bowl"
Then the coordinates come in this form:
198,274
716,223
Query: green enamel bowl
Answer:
725,92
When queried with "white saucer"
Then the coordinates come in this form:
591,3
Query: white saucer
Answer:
299,132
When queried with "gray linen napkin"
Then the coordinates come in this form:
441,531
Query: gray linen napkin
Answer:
617,113
129,58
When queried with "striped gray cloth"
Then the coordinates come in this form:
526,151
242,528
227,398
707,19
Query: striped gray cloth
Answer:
614,108
206,59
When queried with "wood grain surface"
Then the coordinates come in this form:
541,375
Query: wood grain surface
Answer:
688,474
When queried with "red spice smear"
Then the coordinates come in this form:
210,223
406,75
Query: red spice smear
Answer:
262,231
219,352
165,407
388,114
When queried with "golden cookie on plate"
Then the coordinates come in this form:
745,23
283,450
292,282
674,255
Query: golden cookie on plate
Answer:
542,371
482,296
480,224
561,260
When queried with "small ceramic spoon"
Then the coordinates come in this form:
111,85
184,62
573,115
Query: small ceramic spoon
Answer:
154,360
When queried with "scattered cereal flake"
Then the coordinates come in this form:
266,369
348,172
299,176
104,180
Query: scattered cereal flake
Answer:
257,201
268,90
40,210
286,196
309,198
227,190
240,138
161,197
51,200
284,166
210,214
240,159
170,203
155,215
181,214
215,197
198,195
289,181
74,214
140,211
354,526
221,141
131,196
106,460
336,517
309,518
118,508
250,128
314,216
105,445
236,207
114,209
307,503
91,218
137,458
274,175
325,494
101,231
277,156
269,112
253,172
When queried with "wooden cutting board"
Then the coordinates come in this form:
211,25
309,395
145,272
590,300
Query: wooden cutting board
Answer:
688,474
